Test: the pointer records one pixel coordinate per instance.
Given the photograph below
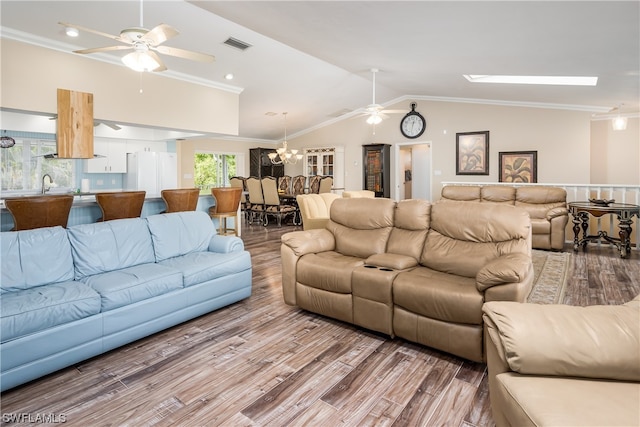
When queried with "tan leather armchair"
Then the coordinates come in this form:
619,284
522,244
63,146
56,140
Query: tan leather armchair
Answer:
314,209
558,365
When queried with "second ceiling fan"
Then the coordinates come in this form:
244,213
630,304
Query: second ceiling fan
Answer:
144,43
375,111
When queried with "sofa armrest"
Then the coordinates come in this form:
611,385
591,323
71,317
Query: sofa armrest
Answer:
309,241
510,268
226,244
556,212
591,342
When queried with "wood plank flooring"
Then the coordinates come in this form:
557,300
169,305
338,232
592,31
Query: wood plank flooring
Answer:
260,362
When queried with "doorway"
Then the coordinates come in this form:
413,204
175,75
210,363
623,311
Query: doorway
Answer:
412,170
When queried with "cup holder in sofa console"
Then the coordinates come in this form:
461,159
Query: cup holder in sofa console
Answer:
379,268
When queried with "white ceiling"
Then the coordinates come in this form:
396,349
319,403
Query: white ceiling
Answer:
312,59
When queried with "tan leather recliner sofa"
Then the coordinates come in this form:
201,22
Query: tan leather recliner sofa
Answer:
411,269
559,365
358,193
547,207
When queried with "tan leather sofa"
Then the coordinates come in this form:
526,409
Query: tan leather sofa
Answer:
358,193
558,365
411,269
314,209
547,207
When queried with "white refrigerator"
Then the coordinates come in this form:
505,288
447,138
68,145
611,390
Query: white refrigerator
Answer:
151,171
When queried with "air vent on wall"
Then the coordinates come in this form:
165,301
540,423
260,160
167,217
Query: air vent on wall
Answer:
238,44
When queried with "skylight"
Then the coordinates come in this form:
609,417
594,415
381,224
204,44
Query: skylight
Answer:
533,80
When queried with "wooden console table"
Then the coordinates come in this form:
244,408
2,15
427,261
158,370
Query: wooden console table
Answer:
580,212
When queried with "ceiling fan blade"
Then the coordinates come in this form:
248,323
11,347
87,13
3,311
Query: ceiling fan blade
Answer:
89,30
394,111
111,125
103,49
186,54
159,34
155,56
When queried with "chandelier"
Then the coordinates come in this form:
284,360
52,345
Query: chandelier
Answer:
283,154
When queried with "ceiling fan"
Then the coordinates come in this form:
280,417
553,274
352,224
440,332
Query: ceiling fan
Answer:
96,122
144,43
375,111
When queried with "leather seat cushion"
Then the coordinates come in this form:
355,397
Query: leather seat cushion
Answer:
528,400
39,308
199,267
438,295
329,271
129,285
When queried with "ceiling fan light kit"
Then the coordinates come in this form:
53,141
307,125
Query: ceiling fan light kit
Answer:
140,60
71,32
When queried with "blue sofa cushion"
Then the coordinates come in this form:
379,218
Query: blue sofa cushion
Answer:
31,258
110,245
39,308
198,267
129,285
180,233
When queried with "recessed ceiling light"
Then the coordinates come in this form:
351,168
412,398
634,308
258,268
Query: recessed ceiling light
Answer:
533,80
72,32
228,76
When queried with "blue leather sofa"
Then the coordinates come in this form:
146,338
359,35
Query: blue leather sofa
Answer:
70,294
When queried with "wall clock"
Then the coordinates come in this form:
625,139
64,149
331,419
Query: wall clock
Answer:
413,124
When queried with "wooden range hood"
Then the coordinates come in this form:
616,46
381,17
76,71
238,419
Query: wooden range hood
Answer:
74,133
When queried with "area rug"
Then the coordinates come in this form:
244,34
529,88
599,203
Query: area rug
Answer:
550,271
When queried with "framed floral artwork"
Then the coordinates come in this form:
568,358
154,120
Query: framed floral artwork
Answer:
518,166
472,153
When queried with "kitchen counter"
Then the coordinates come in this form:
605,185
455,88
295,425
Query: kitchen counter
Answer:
85,210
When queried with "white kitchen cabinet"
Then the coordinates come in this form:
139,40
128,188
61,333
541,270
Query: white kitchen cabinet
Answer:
114,160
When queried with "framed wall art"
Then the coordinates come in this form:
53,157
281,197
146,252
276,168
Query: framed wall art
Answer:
472,153
518,166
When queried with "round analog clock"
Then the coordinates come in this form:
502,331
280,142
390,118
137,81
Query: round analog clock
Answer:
413,124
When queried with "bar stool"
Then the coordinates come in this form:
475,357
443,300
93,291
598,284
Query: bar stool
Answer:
39,211
120,204
227,203
180,200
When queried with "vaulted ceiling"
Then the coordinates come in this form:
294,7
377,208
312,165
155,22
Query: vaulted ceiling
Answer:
312,59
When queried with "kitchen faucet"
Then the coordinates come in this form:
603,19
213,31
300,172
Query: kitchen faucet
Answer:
44,189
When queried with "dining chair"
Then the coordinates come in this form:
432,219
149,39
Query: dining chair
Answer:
284,184
241,182
314,184
120,204
180,199
272,203
39,211
297,184
256,199
326,184
227,204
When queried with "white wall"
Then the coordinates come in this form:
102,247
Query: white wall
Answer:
561,137
31,76
615,155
